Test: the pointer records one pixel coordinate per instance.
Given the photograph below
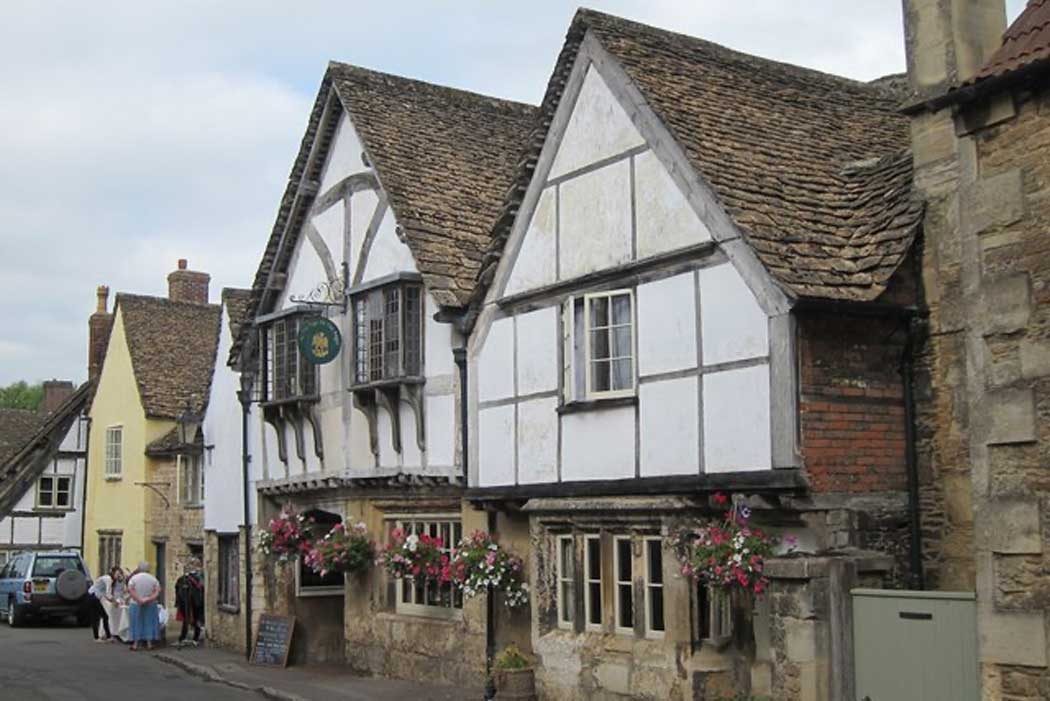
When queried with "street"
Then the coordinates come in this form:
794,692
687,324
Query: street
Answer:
61,662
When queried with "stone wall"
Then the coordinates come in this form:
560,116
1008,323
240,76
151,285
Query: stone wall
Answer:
224,627
179,527
986,176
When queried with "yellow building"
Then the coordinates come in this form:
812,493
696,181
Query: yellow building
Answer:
146,483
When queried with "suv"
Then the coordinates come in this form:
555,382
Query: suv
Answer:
48,584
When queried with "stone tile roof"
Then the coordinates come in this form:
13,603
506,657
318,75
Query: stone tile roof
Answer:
813,168
236,301
17,427
1025,42
172,347
445,158
28,439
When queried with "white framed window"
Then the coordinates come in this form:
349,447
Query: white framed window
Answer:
55,492
599,338
191,480
426,597
110,545
310,583
229,572
592,585
114,452
623,566
654,587
566,554
716,614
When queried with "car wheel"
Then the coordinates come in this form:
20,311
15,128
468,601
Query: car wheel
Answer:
15,618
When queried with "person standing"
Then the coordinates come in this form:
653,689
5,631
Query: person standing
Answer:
189,601
99,592
144,590
114,603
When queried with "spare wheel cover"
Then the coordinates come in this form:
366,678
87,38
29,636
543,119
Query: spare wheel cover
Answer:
71,585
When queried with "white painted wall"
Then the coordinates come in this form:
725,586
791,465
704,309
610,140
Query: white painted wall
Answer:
702,346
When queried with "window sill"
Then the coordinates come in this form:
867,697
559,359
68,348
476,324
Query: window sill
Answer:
113,478
290,400
389,382
597,404
429,618
226,608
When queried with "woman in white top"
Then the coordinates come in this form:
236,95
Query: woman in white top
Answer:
98,592
145,617
114,602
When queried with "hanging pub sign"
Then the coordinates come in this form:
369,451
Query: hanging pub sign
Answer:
319,340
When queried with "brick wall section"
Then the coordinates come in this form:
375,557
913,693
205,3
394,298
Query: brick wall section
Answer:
188,285
852,403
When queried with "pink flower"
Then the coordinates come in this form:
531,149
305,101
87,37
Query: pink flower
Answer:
719,498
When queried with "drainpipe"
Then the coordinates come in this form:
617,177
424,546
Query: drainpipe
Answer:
490,626
83,502
245,398
907,370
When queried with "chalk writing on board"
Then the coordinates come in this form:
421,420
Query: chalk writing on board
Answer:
273,640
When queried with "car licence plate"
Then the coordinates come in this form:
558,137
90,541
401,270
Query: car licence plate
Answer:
39,586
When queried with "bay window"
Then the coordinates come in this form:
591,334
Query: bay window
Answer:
287,374
388,332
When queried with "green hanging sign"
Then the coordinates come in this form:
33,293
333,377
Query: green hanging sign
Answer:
319,340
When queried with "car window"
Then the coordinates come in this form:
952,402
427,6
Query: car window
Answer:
18,567
54,565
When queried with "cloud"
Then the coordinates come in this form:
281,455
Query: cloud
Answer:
134,134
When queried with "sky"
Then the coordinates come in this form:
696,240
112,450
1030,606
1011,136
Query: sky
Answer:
133,134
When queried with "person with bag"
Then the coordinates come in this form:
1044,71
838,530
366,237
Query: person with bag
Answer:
189,601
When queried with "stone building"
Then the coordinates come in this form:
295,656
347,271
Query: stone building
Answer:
381,231
145,498
703,284
981,143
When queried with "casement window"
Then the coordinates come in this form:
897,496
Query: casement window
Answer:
623,567
715,614
599,339
287,374
566,581
426,597
654,587
229,572
592,583
388,333
633,610
114,452
191,480
55,492
109,551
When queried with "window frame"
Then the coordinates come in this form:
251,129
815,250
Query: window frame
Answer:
647,597
185,463
228,588
588,604
114,457
619,584
719,607
379,358
56,477
106,541
588,360
280,381
454,611
565,580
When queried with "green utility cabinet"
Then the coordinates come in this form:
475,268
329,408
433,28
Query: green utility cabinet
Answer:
915,645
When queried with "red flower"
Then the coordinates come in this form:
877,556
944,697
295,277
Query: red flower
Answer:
719,498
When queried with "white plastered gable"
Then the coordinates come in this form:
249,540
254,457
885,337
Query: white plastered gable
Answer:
606,200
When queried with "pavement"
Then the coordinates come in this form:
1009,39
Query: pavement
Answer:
56,662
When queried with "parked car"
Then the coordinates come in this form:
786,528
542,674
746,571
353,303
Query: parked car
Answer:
44,585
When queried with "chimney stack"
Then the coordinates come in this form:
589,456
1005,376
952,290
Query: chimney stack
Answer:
948,41
56,392
188,285
99,325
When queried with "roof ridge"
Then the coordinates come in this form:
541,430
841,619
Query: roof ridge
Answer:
500,102
161,300
584,12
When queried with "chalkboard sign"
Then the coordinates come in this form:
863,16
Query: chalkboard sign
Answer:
273,640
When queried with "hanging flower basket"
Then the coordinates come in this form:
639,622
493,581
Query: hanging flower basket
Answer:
411,555
341,550
480,563
729,554
286,537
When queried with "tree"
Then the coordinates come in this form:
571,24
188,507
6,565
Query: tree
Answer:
22,395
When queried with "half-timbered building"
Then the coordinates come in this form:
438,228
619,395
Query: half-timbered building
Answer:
702,285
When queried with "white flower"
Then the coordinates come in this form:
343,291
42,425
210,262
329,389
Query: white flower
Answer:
412,542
